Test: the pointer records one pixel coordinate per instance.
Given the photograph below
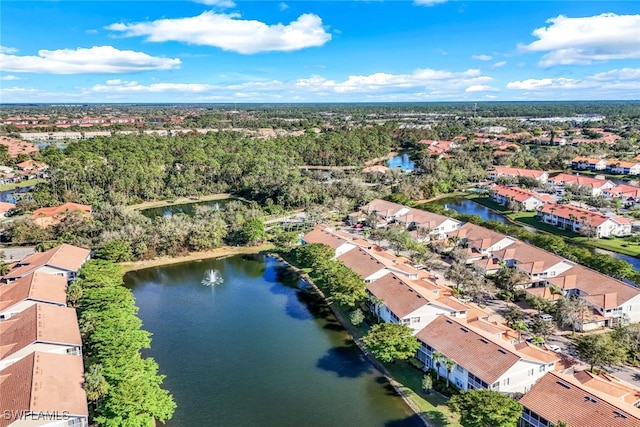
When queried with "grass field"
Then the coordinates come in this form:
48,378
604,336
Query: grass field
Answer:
21,184
617,244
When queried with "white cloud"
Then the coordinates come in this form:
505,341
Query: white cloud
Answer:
283,6
429,3
425,81
482,57
218,3
499,64
624,82
97,59
9,77
480,88
5,49
585,40
229,32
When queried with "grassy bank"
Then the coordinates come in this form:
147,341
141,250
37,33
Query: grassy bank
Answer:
616,244
21,184
178,201
223,251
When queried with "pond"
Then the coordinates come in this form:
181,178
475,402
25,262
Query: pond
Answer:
258,349
635,262
9,195
402,161
469,207
185,208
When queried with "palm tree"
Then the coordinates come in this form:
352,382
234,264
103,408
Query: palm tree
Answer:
449,364
438,358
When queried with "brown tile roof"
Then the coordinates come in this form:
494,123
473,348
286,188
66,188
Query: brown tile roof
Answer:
563,397
399,297
610,385
43,382
41,323
66,257
474,352
477,236
36,286
423,218
529,258
17,146
361,262
321,235
382,207
594,284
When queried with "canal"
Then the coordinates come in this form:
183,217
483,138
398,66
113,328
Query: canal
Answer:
469,207
258,349
185,208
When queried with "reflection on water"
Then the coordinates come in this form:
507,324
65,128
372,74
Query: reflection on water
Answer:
401,161
260,350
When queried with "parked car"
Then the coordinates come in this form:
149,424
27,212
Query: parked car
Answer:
546,317
554,347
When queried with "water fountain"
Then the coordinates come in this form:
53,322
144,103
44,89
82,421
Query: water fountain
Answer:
212,278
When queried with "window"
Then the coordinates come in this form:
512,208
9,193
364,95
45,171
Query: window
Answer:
74,351
531,372
415,320
542,368
505,381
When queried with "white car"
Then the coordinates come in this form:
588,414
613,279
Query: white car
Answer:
554,347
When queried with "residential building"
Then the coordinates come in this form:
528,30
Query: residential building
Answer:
536,263
584,221
386,211
504,171
580,400
427,224
482,358
621,167
45,390
588,163
364,264
41,327
44,217
408,303
479,241
37,287
63,260
628,194
596,186
524,200
325,236
610,301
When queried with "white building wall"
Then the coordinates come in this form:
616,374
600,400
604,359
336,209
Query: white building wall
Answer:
344,248
47,348
378,274
522,375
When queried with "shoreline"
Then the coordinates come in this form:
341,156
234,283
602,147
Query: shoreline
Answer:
221,252
397,386
178,201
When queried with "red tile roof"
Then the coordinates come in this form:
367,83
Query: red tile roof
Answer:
43,382
65,257
38,286
321,235
382,207
519,194
567,211
42,323
62,209
566,179
563,397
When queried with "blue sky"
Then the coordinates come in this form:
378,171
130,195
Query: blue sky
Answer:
319,51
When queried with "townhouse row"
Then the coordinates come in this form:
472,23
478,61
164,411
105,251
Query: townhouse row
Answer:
479,353
613,166
41,365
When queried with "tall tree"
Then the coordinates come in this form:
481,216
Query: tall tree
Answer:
486,408
391,341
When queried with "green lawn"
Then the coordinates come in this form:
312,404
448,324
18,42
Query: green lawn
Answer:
529,218
617,244
25,183
433,406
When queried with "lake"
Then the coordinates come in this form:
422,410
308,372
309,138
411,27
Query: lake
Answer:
185,208
259,349
469,207
8,196
402,161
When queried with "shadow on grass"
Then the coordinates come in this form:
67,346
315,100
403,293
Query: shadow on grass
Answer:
346,362
437,418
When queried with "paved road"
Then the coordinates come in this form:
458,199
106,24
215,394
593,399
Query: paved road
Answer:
17,253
